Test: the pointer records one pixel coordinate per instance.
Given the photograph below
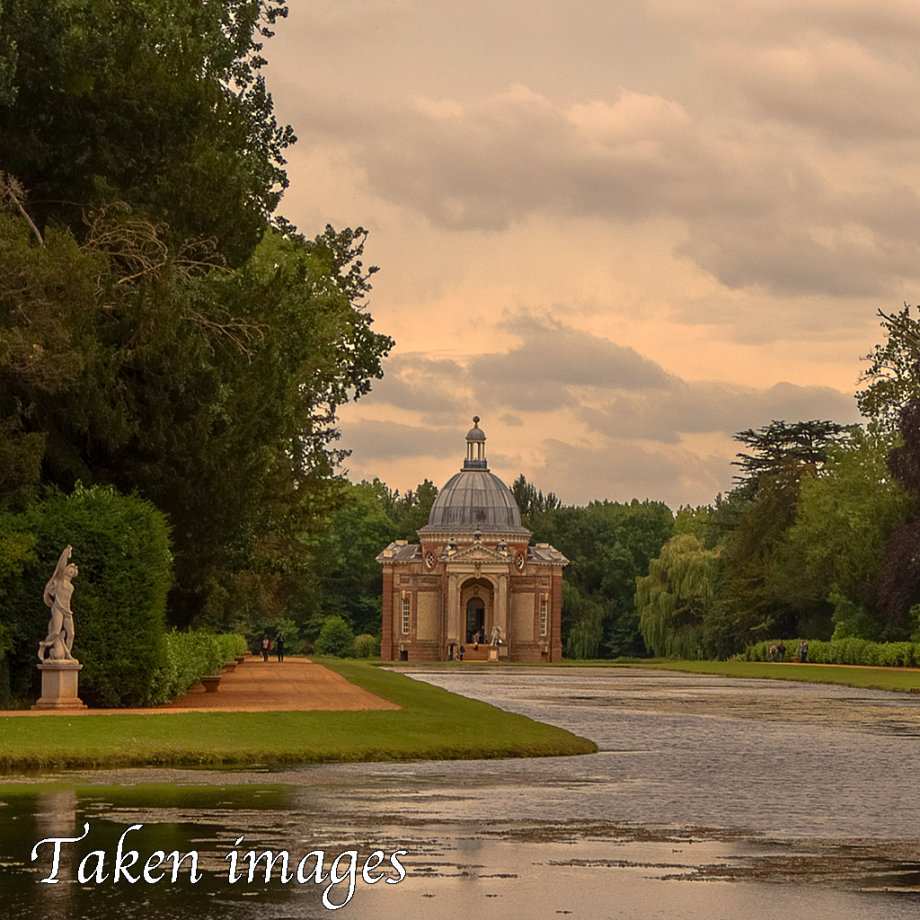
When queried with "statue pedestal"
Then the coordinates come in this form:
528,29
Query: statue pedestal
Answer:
59,685
493,653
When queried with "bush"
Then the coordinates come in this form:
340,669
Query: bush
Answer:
844,651
367,646
188,657
233,645
336,638
121,548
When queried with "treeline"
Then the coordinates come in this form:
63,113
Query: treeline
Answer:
345,579
165,334
819,539
608,544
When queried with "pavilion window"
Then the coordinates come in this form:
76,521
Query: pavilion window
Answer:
406,607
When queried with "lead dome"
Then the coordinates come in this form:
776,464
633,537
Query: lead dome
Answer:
475,499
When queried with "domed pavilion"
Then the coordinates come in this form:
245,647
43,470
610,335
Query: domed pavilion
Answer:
474,581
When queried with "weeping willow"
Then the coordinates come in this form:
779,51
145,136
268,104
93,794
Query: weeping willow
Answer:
586,617
675,596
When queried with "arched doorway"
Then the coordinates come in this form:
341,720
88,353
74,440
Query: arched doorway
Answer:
475,620
477,609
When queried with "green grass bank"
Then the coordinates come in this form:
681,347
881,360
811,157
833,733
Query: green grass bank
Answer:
900,679
432,725
903,680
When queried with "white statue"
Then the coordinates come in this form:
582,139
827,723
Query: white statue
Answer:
496,635
58,643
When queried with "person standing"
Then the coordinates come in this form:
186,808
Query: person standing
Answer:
803,652
279,646
266,646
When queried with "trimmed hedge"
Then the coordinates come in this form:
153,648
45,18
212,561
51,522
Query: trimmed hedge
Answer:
121,548
188,657
843,651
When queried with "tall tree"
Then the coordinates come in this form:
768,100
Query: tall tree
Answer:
156,332
783,448
531,501
899,587
843,522
676,596
157,103
411,511
765,581
892,377
608,545
892,399
348,579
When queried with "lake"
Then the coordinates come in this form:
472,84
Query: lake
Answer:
708,798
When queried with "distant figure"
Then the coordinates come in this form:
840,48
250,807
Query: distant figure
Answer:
803,652
58,644
477,638
450,652
781,650
279,646
772,653
496,636
266,646
462,650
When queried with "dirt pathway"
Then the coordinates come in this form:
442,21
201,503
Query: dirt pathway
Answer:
296,684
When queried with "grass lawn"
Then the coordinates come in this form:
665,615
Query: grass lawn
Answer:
870,678
432,725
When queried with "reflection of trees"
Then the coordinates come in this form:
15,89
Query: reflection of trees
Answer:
56,816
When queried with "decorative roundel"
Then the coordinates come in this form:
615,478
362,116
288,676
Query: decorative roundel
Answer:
430,559
519,561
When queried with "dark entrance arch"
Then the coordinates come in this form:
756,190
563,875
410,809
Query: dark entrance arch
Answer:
475,618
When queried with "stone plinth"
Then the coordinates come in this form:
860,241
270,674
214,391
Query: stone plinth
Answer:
59,685
493,653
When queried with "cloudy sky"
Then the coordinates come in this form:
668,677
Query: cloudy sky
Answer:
619,232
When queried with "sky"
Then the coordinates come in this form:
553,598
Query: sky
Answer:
618,232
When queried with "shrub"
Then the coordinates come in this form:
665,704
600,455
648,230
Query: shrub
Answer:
367,646
844,651
232,646
121,547
188,657
336,638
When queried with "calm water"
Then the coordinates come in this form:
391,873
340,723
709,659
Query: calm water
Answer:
709,798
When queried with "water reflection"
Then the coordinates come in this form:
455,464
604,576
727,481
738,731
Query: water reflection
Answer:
706,794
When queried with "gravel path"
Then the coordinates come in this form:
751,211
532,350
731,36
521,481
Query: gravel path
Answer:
296,684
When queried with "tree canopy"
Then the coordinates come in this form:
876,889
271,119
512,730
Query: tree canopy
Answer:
784,449
160,330
893,374
157,103
675,597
